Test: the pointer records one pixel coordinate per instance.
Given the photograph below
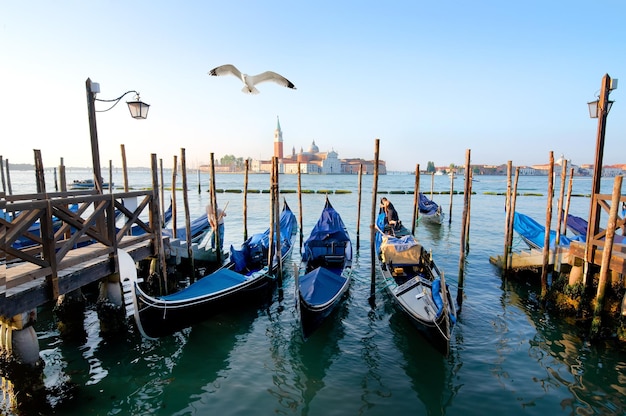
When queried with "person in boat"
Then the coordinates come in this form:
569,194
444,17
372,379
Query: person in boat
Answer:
391,215
216,221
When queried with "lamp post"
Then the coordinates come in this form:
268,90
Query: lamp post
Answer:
138,110
598,109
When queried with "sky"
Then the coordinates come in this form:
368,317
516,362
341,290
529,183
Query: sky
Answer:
506,80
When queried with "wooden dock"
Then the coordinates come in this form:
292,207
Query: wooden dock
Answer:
72,247
532,259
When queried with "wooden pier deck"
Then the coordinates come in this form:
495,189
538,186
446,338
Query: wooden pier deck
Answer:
72,248
532,259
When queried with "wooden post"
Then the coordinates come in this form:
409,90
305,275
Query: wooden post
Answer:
183,169
93,134
162,193
245,201
46,230
469,178
110,176
594,217
373,221
451,195
8,177
62,177
569,195
606,257
199,187
216,231
358,208
546,240
125,168
270,251
416,195
277,224
466,196
155,213
300,203
174,211
4,185
507,217
511,219
559,216
56,182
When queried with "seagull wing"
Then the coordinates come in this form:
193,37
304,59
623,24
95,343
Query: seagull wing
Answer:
225,70
271,76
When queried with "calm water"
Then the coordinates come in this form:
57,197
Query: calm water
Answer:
507,356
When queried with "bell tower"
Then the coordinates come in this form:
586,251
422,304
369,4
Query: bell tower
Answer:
278,141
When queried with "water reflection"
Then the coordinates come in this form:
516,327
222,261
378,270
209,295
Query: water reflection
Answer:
312,358
594,374
428,370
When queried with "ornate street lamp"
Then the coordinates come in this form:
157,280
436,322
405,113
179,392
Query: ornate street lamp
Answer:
598,109
138,110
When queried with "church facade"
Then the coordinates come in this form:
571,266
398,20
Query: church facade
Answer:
312,161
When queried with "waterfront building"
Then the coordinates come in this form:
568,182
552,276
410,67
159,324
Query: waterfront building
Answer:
312,161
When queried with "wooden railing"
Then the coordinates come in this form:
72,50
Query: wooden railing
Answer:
48,226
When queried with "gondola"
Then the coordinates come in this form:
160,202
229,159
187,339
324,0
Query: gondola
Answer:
415,284
429,210
325,270
239,280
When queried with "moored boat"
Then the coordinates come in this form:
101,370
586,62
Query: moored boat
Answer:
325,270
415,284
429,210
240,279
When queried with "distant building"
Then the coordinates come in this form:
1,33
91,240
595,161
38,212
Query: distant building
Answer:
313,161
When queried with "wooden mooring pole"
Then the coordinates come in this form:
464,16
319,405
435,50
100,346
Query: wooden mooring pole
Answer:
174,210
215,219
300,203
416,196
508,213
245,201
373,221
155,214
546,239
606,257
451,197
464,220
183,169
358,208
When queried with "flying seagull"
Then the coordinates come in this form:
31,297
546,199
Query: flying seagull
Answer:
251,80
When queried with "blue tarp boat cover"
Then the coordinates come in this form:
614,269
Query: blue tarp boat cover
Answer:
320,286
534,233
329,229
256,246
426,206
579,226
198,226
213,283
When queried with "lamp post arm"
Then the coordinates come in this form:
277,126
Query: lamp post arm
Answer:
115,101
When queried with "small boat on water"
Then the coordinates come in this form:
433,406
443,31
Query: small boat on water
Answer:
415,284
325,270
239,280
87,184
429,210
578,226
533,233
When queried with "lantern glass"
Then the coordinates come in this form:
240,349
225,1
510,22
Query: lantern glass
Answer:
593,109
138,109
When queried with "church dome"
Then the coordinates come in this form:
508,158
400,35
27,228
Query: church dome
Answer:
313,148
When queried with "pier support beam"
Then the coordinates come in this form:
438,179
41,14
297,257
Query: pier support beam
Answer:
21,368
70,313
110,305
